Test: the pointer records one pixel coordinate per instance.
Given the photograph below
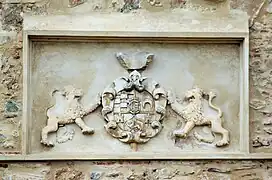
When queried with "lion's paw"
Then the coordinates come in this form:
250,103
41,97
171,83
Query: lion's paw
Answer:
222,143
47,143
179,133
88,131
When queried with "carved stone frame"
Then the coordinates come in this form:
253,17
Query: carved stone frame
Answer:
240,38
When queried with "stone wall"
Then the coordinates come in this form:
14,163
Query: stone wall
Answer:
260,19
174,170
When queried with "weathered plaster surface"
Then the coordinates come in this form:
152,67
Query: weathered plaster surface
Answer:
11,98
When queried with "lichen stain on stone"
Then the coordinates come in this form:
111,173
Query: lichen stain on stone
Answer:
96,175
177,3
11,16
130,5
6,141
11,106
3,138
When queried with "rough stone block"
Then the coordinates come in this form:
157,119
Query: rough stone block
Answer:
6,36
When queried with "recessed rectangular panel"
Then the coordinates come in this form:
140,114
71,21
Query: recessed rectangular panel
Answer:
141,99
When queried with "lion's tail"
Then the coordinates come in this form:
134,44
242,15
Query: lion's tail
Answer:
211,97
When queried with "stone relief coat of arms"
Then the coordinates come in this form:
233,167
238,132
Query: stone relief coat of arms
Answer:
134,107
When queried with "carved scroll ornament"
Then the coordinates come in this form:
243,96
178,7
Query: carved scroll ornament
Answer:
134,107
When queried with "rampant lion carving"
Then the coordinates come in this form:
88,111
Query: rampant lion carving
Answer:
193,114
67,110
134,106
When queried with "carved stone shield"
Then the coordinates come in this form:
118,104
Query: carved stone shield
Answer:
134,106
133,116
134,113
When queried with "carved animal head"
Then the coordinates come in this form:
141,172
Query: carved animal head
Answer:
135,76
135,80
195,93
